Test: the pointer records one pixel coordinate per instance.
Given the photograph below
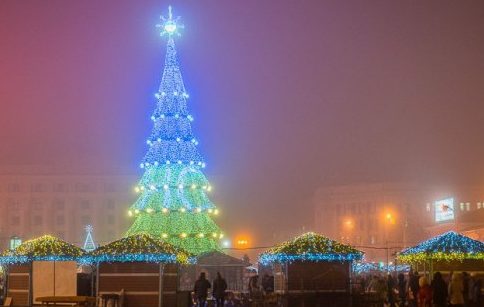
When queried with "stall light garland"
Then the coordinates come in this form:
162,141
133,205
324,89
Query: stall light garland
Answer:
45,248
310,247
368,267
173,202
138,248
449,246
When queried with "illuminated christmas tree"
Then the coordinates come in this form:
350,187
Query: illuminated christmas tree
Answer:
89,244
173,204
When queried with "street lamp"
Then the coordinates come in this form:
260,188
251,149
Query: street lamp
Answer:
242,241
348,225
389,219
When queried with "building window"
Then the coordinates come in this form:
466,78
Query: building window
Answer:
15,221
109,187
110,203
479,205
37,187
60,187
468,206
85,204
38,220
13,204
60,220
36,204
461,206
13,187
82,188
59,204
428,207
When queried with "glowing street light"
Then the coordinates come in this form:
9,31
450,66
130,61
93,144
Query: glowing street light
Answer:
241,241
389,218
349,224
226,243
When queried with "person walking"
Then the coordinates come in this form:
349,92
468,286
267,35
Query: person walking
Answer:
219,287
267,283
475,290
201,290
413,288
424,293
439,290
390,290
402,289
465,283
456,290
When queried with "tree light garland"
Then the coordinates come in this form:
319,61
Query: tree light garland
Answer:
449,246
173,204
45,248
310,247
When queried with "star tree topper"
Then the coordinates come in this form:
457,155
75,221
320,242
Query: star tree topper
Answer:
170,26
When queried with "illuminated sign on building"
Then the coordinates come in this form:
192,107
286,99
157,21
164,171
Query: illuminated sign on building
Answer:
444,210
15,242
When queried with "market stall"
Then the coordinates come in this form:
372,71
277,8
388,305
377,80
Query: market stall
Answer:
445,253
141,270
45,266
309,266
231,268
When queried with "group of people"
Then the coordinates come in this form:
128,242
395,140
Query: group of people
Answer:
462,289
265,287
256,289
202,285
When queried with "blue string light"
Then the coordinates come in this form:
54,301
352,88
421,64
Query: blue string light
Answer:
367,267
156,258
284,258
171,140
448,246
18,259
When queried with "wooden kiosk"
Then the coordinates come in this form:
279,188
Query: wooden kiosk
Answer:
231,268
446,253
140,269
310,270
45,266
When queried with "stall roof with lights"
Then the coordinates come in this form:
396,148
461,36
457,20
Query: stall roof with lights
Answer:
138,248
449,246
310,247
45,248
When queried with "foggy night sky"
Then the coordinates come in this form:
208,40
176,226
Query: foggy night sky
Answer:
287,95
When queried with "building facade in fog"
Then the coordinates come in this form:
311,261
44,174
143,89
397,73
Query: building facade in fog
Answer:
44,200
383,218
